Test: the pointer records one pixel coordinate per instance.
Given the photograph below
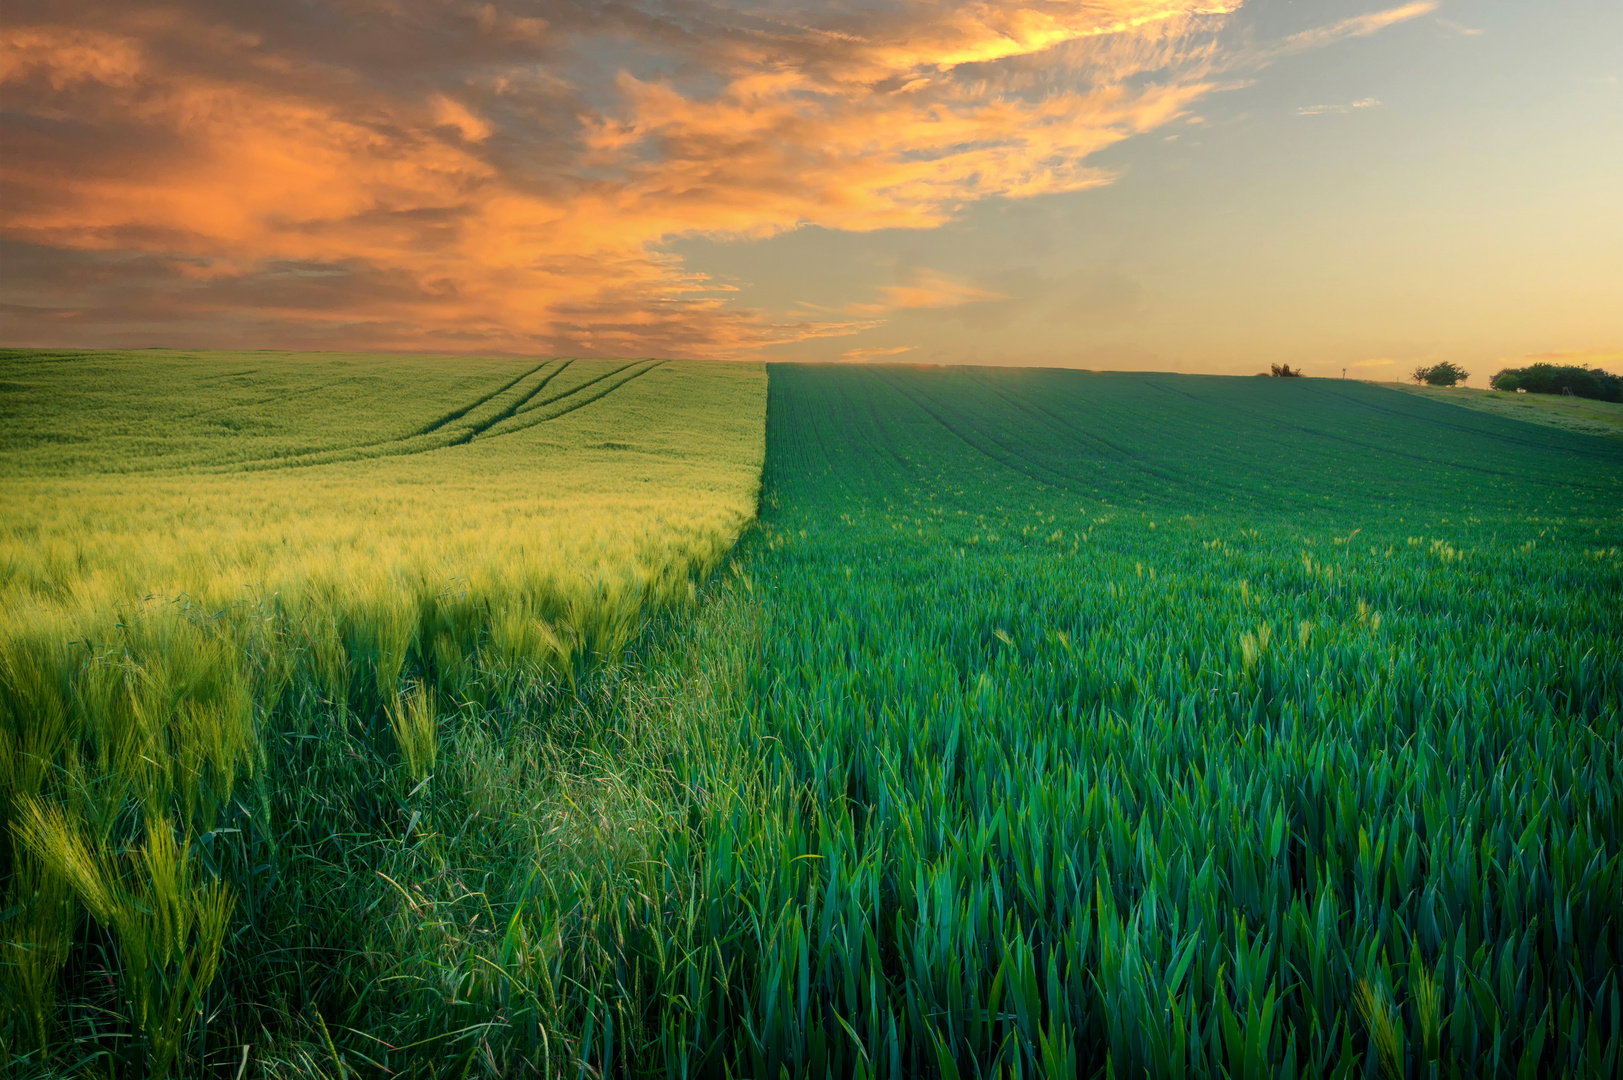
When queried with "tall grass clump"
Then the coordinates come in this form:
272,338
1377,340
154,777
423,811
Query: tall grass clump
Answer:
416,731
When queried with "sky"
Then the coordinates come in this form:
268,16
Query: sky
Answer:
1347,186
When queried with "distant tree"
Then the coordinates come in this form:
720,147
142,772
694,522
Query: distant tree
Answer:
1583,381
1443,374
1283,371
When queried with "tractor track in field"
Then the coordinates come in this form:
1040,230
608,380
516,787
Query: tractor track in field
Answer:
1066,434
436,437
357,450
1082,440
480,427
457,414
648,365
884,438
1017,465
272,399
432,436
1369,447
1008,459
1581,449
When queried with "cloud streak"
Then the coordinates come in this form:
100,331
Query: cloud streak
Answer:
1358,26
1321,110
860,356
459,176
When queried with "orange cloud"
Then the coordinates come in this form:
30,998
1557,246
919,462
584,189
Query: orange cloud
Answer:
443,174
925,289
448,113
858,356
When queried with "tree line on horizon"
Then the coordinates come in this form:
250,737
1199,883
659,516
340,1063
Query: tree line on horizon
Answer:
1584,381
1573,380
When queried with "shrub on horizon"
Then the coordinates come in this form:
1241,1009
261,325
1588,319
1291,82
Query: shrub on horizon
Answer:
1443,374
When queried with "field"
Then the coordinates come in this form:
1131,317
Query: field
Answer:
250,603
1046,723
1181,725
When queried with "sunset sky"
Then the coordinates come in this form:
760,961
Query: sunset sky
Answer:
1176,185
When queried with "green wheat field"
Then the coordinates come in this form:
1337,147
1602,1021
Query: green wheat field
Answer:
368,716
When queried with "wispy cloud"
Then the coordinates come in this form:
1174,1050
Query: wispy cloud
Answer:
1320,110
926,289
858,356
1459,28
1357,26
